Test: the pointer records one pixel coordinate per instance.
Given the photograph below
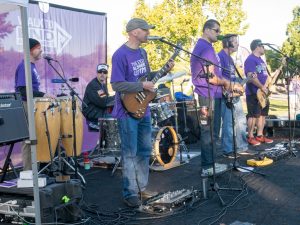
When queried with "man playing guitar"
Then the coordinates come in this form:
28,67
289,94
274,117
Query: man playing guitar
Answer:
129,63
230,45
256,114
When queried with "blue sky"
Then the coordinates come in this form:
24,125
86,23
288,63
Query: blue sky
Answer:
267,19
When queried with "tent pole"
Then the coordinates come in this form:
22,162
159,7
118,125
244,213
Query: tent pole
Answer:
31,122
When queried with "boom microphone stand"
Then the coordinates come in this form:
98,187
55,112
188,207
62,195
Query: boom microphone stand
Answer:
73,93
235,164
287,77
214,185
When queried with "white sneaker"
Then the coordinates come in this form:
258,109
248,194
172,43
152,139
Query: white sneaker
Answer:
219,168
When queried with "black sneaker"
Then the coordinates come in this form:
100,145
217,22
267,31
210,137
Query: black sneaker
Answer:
132,202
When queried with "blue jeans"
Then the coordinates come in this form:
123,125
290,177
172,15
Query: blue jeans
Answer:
240,127
206,144
136,148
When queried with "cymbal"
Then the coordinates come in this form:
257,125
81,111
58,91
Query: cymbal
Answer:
171,76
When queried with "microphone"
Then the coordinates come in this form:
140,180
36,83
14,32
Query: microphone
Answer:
61,81
267,44
49,58
154,38
222,37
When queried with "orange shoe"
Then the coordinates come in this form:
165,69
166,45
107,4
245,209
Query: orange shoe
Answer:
263,139
253,141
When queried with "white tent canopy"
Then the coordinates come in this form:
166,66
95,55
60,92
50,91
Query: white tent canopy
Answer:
5,6
9,5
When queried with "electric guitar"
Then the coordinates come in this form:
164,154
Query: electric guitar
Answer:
136,103
236,94
262,97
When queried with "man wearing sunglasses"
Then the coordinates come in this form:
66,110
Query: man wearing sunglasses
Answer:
97,98
209,93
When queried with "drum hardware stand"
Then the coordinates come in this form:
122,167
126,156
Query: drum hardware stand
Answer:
73,94
59,159
52,168
182,145
196,111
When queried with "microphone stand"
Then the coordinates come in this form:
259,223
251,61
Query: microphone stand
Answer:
287,78
73,93
207,63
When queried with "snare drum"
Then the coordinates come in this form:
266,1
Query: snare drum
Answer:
165,145
161,111
66,127
109,134
53,120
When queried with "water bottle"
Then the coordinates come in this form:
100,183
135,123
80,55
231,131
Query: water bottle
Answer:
86,161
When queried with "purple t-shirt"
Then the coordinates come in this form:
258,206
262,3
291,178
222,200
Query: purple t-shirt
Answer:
255,64
127,65
205,50
227,62
20,77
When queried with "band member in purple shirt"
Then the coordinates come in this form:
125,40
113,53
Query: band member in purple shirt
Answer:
129,63
230,45
20,86
256,114
204,49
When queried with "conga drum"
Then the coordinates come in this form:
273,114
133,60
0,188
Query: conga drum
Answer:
52,114
66,127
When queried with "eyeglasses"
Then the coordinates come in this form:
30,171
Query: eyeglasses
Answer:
216,30
104,72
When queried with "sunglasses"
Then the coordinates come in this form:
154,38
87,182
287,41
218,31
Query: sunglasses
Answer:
101,71
216,30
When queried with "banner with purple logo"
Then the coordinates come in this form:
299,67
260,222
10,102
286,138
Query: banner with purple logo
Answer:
77,39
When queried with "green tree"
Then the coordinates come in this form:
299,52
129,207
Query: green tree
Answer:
291,47
182,21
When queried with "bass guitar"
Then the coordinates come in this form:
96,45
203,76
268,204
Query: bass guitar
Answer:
137,103
234,94
263,97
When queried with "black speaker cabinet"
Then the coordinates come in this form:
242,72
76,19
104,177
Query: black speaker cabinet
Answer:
13,121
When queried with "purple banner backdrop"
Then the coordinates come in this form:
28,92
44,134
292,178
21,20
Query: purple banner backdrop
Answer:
76,38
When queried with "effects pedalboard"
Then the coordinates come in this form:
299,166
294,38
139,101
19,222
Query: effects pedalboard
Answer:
169,201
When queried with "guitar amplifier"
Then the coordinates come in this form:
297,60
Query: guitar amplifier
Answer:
13,120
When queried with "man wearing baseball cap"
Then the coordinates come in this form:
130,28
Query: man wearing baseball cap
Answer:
129,63
256,114
20,86
96,97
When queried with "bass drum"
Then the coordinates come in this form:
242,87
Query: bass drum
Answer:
66,127
165,145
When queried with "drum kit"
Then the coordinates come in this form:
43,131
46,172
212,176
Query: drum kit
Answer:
165,139
54,130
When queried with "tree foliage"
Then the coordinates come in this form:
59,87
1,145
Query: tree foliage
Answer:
291,47
182,21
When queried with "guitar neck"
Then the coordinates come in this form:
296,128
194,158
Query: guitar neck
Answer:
164,70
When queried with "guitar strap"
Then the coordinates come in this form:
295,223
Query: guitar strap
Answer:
236,70
143,53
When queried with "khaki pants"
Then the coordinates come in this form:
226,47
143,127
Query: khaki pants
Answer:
26,150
